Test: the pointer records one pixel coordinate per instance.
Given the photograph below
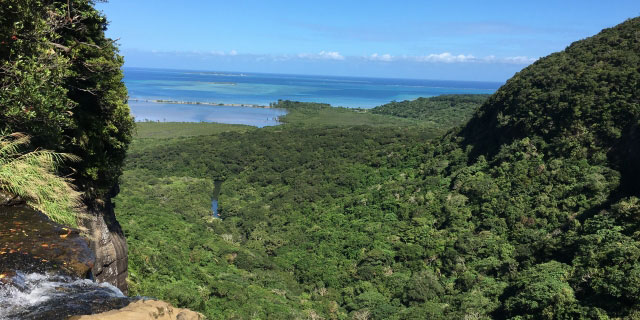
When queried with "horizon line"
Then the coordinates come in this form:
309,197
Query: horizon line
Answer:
310,74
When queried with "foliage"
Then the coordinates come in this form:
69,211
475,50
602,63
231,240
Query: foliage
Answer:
61,83
584,98
32,176
184,129
322,115
522,214
444,111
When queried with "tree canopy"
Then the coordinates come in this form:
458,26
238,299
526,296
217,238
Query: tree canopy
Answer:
61,83
523,213
444,111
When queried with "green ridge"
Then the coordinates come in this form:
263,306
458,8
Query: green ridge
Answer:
521,214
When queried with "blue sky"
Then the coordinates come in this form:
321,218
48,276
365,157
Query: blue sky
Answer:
448,40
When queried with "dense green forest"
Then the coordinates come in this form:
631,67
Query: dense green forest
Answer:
323,115
443,111
274,180
64,121
61,83
521,205
529,211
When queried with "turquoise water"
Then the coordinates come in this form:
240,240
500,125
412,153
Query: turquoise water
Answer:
262,89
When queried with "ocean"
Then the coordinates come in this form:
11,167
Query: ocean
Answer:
261,89
240,88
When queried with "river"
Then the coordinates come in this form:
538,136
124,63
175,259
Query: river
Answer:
217,185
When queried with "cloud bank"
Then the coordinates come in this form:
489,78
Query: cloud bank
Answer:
447,57
326,55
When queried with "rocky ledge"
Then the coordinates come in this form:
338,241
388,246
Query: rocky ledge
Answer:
145,310
46,271
30,242
107,246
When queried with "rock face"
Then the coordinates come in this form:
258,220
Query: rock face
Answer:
44,269
106,239
145,310
109,245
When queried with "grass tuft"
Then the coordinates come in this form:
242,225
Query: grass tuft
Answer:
32,175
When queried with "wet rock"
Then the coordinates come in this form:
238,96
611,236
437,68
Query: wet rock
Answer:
145,310
50,297
31,242
8,199
106,240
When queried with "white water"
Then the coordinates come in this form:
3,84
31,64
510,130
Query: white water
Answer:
39,292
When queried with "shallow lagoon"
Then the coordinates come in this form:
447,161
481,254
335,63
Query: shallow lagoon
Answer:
166,112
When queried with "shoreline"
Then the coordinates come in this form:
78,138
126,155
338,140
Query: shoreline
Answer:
215,104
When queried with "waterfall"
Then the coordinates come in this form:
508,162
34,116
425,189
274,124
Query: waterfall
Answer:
49,296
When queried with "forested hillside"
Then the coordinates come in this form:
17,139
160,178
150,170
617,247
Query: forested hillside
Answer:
443,111
530,211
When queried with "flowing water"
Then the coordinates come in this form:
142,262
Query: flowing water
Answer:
42,269
46,296
214,199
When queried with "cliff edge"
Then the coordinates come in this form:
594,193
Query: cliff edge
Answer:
145,310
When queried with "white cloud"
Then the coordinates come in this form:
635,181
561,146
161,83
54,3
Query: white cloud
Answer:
490,58
380,57
204,53
446,57
322,55
333,55
278,58
519,60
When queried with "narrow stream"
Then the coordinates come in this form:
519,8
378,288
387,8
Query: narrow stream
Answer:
217,184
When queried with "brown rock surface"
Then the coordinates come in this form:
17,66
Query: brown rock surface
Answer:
30,242
145,310
106,240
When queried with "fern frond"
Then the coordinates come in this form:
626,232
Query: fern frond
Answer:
10,145
32,176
